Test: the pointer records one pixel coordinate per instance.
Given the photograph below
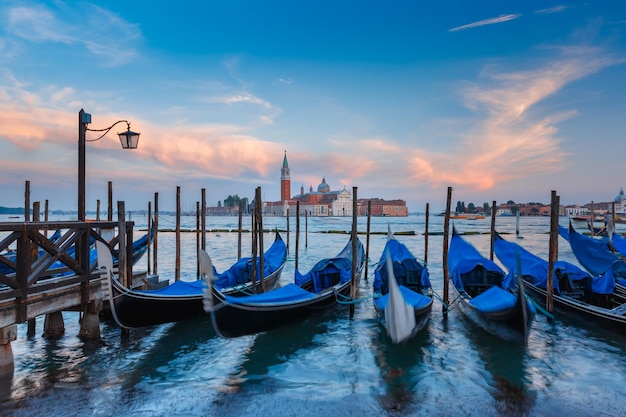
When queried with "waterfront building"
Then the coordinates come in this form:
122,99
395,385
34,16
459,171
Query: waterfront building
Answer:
380,207
324,202
607,206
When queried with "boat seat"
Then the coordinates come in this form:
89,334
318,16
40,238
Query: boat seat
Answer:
574,289
480,280
413,278
328,280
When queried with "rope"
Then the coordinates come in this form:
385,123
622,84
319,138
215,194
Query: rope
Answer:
438,297
540,309
349,301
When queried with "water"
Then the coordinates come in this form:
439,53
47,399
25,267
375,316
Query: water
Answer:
330,364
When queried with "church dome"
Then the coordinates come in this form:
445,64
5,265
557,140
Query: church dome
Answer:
323,187
620,196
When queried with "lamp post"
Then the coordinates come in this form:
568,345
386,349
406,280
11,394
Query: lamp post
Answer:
128,139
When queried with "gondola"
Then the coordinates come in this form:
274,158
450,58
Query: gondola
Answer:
402,291
483,294
324,286
184,299
574,290
596,256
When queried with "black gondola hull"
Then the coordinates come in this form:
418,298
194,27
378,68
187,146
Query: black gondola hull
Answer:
138,309
244,319
512,324
587,314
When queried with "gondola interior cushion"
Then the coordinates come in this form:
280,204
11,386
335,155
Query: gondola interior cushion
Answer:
494,299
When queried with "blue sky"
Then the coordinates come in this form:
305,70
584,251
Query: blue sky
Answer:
499,100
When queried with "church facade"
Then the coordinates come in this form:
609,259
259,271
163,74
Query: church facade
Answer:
321,202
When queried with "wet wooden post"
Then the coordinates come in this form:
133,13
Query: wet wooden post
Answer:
517,214
553,249
446,272
239,229
261,248
36,218
198,239
203,218
27,201
287,230
110,203
155,244
297,231
593,214
177,262
36,211
492,230
121,258
45,217
367,236
121,255
353,282
426,234
98,210
254,244
306,228
35,250
148,251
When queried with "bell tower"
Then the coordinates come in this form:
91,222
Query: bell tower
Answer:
285,181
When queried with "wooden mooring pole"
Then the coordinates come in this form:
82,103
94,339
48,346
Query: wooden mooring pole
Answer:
553,249
177,264
353,282
297,231
254,244
261,246
367,236
27,201
198,239
155,244
239,229
35,250
306,228
446,272
287,230
426,235
203,219
110,202
492,230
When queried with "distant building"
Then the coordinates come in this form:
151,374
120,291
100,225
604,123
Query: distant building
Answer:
285,180
391,208
607,206
324,202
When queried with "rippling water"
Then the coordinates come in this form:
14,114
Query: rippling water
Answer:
329,365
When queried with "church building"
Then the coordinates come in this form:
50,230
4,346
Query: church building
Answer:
320,202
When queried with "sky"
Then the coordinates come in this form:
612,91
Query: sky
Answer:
401,99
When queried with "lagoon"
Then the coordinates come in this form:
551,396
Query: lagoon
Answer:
330,364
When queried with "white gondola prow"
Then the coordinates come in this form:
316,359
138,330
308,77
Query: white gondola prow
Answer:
399,315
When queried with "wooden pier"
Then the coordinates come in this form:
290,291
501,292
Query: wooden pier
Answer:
46,277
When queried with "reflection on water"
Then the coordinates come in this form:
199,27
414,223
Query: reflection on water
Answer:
506,362
269,350
397,364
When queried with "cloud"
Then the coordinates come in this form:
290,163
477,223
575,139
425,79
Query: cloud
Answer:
244,98
555,9
283,81
485,22
511,141
98,30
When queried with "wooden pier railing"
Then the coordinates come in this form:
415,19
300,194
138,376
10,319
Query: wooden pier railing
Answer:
39,275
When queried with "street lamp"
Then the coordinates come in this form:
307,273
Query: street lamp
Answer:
128,139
